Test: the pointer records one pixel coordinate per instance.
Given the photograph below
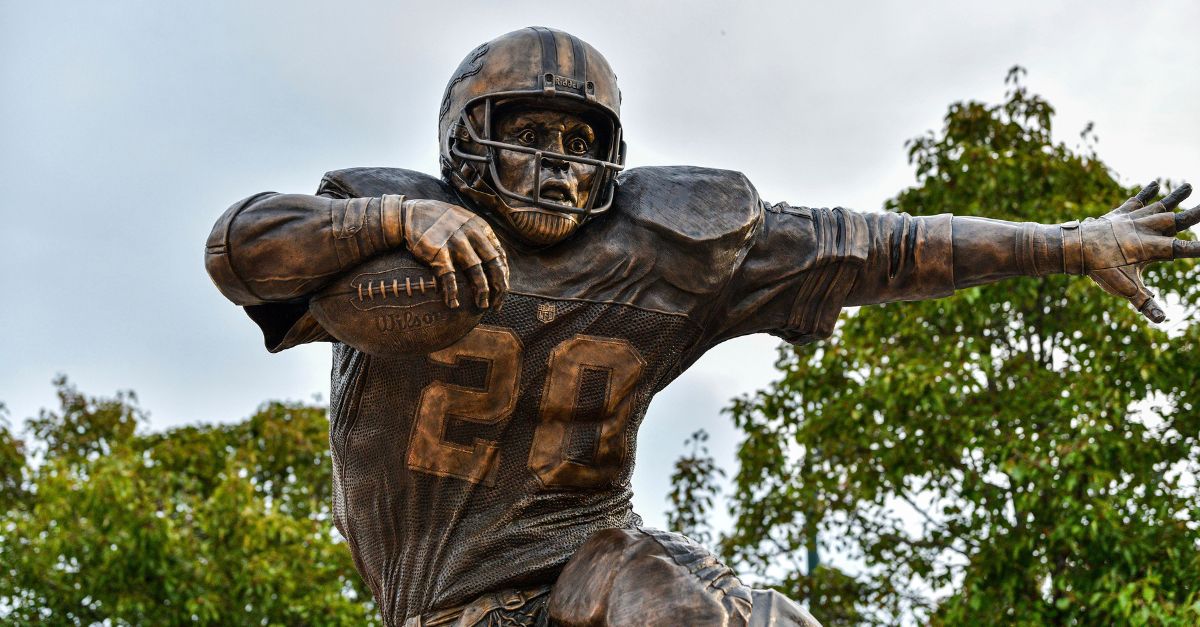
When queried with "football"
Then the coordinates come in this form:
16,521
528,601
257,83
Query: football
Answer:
393,305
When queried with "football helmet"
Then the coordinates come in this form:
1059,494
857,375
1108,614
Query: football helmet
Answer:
552,70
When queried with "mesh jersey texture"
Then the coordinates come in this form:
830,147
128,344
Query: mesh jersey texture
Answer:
424,541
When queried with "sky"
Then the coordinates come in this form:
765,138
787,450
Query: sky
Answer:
127,127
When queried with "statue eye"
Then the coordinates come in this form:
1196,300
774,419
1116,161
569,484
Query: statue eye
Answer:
527,137
577,146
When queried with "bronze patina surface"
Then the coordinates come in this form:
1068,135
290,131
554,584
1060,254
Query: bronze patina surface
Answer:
489,482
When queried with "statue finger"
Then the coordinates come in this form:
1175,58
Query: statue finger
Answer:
1187,218
495,266
450,289
1177,196
443,269
1138,201
462,251
485,248
1126,282
1156,247
1185,249
1161,223
466,258
1151,209
503,258
499,248
1152,310
1148,193
479,283
439,261
498,279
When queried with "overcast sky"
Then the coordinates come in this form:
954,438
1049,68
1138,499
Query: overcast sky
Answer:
126,128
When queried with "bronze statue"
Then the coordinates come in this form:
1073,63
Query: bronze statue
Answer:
488,482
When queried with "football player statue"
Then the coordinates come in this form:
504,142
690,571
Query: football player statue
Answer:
488,482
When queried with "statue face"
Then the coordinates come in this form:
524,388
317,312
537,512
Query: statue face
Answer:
563,182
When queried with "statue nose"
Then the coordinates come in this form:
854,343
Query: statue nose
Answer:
555,165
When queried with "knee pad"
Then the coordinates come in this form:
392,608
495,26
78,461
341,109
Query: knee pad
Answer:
772,609
627,577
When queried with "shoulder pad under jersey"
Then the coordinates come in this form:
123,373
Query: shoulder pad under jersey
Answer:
370,182
692,225
671,241
691,204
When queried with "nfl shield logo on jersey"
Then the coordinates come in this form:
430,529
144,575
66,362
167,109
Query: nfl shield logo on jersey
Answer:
546,312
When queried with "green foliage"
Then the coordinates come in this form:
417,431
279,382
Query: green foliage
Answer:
1020,453
12,464
201,524
694,486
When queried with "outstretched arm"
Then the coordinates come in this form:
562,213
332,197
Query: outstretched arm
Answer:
1112,250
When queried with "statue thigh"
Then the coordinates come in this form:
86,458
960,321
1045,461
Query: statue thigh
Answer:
627,577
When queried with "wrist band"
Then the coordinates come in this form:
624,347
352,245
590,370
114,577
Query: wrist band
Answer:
1025,249
1072,247
392,220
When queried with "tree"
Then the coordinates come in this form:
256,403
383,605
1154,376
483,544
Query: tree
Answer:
694,487
200,524
1020,453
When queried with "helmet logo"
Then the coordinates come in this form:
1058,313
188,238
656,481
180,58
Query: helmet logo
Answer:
470,67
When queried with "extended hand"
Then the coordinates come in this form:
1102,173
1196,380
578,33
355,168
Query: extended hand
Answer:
1118,245
448,237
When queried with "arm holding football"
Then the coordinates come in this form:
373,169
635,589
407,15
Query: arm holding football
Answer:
282,247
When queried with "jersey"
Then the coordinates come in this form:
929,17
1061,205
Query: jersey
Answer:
485,465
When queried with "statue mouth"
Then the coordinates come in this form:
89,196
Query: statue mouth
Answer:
558,191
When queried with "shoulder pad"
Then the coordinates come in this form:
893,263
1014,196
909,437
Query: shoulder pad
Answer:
691,204
370,182
671,241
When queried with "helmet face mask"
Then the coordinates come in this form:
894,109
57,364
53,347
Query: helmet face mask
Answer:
484,137
520,73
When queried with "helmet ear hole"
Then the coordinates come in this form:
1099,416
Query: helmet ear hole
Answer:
460,138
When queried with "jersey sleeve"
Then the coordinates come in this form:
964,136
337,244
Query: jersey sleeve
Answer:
268,252
271,251
804,265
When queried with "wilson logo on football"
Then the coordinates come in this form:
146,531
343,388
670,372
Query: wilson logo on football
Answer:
404,321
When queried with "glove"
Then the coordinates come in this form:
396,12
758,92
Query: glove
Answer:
448,238
1113,249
